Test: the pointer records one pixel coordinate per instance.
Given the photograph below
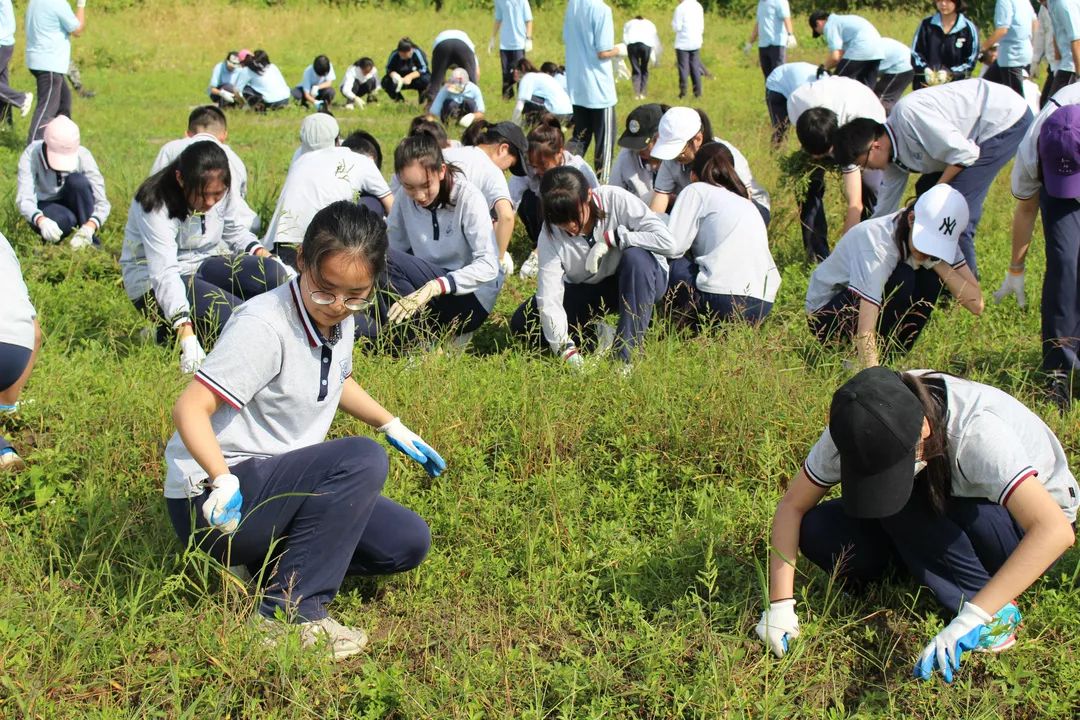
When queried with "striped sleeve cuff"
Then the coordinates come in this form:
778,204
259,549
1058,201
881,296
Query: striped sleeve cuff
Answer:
1017,479
181,318
215,387
97,221
865,296
569,351
35,216
814,478
447,284
252,247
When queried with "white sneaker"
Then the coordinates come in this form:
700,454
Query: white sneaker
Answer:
27,104
605,336
343,640
11,462
530,267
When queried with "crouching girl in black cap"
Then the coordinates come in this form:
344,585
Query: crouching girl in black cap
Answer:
953,481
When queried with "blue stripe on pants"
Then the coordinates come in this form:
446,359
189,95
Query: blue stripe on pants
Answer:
1061,287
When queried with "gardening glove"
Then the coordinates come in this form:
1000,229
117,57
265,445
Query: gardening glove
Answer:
777,625
49,230
411,304
80,3
1013,284
410,443
507,263
227,96
398,82
466,120
747,47
222,506
528,45
573,357
491,45
947,648
620,49
83,237
792,42
191,354
599,250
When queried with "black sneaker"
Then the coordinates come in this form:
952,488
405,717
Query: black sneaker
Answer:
1059,390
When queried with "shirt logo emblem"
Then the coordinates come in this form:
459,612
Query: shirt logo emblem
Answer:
960,42
633,126
345,371
1066,166
947,226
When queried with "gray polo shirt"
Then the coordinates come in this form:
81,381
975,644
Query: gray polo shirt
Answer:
279,381
37,182
672,176
237,171
633,174
17,318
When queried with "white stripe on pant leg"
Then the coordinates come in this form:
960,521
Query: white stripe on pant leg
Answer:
609,128
43,107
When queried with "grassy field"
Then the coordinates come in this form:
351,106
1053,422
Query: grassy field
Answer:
599,540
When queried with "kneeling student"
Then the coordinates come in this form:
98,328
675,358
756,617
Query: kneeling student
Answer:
20,343
459,99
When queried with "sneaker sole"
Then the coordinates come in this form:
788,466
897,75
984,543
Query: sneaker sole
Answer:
1000,647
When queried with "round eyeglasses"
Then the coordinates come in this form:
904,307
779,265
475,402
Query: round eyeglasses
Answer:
321,297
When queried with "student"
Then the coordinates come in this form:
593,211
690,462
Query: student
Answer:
688,22
960,134
724,270
894,73
428,124
9,97
546,151
60,190
20,343
261,83
223,78
854,45
514,28
635,167
781,82
1043,48
642,44
250,475
317,84
589,37
556,71
954,483
1065,16
1014,23
208,122
945,47
173,266
452,48
360,83
681,133
49,27
539,93
817,110
317,131
459,99
406,69
443,255
600,249
315,180
879,286
774,34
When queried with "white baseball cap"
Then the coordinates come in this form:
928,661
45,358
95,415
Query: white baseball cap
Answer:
318,131
941,214
677,127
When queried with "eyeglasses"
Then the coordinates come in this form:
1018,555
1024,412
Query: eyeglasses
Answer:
321,297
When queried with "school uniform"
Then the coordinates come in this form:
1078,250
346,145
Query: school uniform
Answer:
222,78
542,93
688,22
198,269
672,177
867,265
449,105
416,63
452,47
933,49
512,16
1065,16
264,90
631,278
1014,49
245,216
972,123
995,444
10,98
525,193
780,83
633,174
724,269
317,503
861,44
895,72
358,86
309,80
587,30
481,172
68,199
1042,48
772,34
642,40
17,333
49,24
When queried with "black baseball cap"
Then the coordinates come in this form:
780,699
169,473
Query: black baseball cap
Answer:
876,423
515,138
814,17
641,124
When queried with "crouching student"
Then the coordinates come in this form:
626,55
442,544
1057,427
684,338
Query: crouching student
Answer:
635,168
442,255
953,483
539,92
261,83
222,88
317,84
779,85
20,342
173,266
881,282
61,191
601,250
250,476
726,271
459,99
360,83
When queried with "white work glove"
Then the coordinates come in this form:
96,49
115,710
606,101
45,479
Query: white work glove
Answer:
791,41
412,445
398,82
222,506
620,49
80,3
191,354
466,120
528,44
49,230
411,304
1013,284
227,96
947,649
747,47
599,250
507,264
83,237
491,45
573,357
778,625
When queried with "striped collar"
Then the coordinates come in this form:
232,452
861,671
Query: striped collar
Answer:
894,155
311,330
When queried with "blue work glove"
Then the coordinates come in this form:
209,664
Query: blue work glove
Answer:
946,650
222,507
410,443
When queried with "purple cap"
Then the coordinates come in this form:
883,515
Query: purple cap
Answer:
1059,152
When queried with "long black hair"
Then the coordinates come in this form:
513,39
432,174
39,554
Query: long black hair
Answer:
347,228
563,192
197,165
424,150
257,61
936,480
902,233
714,164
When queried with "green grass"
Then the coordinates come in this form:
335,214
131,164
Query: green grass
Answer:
598,540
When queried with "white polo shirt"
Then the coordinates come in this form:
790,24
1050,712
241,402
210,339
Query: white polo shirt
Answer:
995,444
726,236
688,22
672,176
787,78
354,74
237,171
848,98
1025,173
531,181
453,35
633,174
640,31
481,172
562,257
17,319
279,381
